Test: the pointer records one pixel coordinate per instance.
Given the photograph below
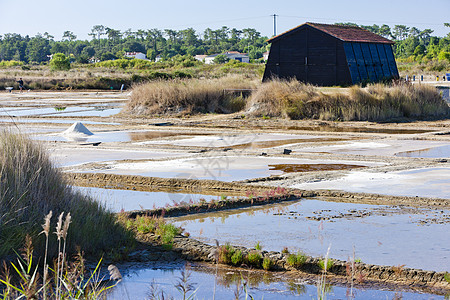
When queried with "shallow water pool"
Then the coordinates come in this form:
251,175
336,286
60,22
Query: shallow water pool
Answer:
381,235
126,200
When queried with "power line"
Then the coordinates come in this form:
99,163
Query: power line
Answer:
220,21
371,21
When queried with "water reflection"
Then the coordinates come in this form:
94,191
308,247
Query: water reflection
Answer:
328,128
127,200
435,152
292,168
151,281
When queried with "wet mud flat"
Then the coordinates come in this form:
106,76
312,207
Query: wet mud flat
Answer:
420,182
218,166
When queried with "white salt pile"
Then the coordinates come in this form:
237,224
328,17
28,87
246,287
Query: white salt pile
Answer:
77,129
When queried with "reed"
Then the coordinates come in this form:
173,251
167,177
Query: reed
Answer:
189,96
378,102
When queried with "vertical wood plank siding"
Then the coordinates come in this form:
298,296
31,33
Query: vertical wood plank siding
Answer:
313,56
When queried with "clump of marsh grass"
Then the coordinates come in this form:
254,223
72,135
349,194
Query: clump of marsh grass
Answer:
296,100
154,225
296,260
188,96
30,187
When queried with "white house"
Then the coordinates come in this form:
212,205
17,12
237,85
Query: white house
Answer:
200,57
242,57
137,55
209,60
158,58
266,55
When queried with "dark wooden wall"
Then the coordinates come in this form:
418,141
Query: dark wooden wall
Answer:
309,55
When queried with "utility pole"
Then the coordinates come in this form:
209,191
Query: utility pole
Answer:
274,24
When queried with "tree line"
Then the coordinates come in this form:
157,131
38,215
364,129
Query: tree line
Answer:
108,43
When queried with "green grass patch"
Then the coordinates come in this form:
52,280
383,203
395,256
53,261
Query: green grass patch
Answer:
254,259
267,264
296,260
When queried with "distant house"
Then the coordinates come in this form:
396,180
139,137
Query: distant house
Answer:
93,60
210,59
327,55
200,57
266,55
158,58
137,55
242,57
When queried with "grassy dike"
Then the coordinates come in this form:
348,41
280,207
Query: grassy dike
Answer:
376,102
30,187
288,99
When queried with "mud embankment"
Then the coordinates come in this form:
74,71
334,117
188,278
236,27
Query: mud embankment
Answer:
214,187
340,272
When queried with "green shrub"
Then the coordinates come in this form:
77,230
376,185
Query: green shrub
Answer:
167,232
237,258
145,225
60,62
10,63
296,260
444,56
267,264
226,253
258,246
321,264
254,259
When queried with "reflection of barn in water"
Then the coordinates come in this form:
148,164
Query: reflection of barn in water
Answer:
327,55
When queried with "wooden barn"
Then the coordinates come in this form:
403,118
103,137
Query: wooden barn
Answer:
327,55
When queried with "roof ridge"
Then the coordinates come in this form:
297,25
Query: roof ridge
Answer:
336,25
349,33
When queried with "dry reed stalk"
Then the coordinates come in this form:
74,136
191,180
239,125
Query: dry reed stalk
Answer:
46,231
58,233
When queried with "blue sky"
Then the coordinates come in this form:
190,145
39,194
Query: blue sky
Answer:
56,16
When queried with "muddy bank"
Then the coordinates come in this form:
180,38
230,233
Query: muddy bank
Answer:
142,183
340,271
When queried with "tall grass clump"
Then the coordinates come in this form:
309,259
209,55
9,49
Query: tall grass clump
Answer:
296,100
30,187
187,96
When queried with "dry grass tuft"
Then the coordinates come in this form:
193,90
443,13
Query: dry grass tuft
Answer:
188,96
30,187
295,100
